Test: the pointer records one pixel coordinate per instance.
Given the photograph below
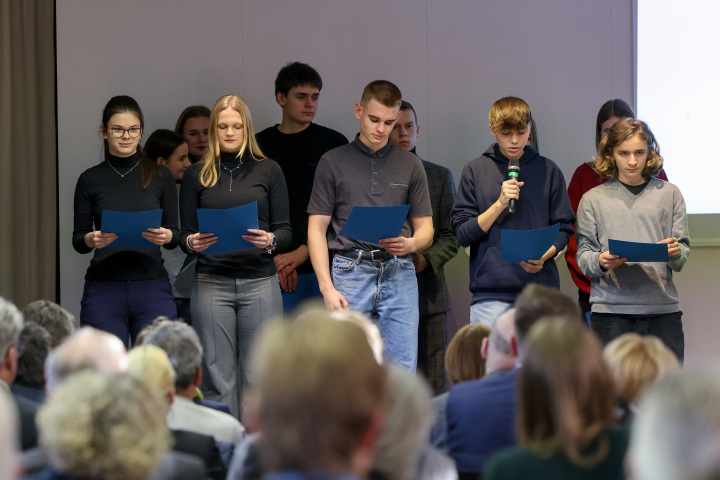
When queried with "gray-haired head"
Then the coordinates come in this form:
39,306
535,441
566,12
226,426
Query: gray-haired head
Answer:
182,345
676,435
11,324
58,322
86,349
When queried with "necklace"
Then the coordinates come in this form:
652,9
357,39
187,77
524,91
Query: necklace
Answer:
122,175
231,170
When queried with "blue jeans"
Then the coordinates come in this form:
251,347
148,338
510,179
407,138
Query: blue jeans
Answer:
667,327
125,307
386,292
486,312
227,314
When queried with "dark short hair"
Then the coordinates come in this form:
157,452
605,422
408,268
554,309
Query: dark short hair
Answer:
537,301
407,106
383,91
296,74
35,345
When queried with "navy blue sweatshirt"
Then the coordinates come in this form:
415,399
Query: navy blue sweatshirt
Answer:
543,201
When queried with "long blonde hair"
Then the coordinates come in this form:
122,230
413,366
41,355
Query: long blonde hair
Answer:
210,160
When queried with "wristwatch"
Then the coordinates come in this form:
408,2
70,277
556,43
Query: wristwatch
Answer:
273,242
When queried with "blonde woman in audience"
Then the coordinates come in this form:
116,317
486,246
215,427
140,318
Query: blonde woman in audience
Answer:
636,362
99,426
565,410
403,452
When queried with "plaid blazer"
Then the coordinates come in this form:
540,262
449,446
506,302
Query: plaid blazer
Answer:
432,290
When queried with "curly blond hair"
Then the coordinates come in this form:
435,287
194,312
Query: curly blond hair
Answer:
104,427
624,129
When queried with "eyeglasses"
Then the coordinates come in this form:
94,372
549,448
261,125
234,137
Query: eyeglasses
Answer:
117,132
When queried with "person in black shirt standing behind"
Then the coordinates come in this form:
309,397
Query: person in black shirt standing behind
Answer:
297,145
126,288
233,292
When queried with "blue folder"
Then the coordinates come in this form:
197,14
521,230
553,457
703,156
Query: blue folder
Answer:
372,224
228,225
129,226
524,245
639,252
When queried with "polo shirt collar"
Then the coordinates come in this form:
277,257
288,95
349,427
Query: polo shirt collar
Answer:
382,153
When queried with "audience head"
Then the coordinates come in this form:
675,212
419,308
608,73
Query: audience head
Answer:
372,332
103,426
611,111
500,348
231,130
9,434
152,365
58,322
625,133
193,125
536,301
636,362
463,358
321,392
11,324
296,74
566,394
168,148
382,91
159,320
676,435
35,347
410,416
405,132
86,349
182,345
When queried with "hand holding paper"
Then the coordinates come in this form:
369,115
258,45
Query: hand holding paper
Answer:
372,224
523,245
639,252
130,226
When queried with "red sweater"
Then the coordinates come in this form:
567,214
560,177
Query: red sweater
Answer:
583,180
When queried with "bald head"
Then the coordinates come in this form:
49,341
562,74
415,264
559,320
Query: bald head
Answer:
87,349
501,353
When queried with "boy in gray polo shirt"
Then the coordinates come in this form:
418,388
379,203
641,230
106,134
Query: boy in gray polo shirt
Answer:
375,279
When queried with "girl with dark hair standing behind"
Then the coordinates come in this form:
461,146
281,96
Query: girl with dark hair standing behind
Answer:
586,178
234,292
125,287
168,148
565,410
193,124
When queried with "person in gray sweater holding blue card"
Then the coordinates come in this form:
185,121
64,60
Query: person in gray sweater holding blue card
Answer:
633,206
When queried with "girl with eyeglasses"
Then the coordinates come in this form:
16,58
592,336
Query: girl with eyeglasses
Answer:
126,288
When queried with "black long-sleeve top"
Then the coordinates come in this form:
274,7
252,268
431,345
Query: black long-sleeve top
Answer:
252,181
102,188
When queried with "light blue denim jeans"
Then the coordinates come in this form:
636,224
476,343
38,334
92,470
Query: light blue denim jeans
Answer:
486,312
387,293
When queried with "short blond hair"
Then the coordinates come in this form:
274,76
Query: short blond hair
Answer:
636,362
319,387
510,113
383,91
101,426
151,364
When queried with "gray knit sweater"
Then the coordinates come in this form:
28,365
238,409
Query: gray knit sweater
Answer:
611,211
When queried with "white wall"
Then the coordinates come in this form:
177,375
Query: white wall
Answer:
450,58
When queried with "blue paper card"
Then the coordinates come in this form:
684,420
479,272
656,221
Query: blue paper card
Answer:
524,245
128,226
371,224
639,252
228,225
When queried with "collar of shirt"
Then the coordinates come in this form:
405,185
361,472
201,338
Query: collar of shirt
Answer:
382,153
